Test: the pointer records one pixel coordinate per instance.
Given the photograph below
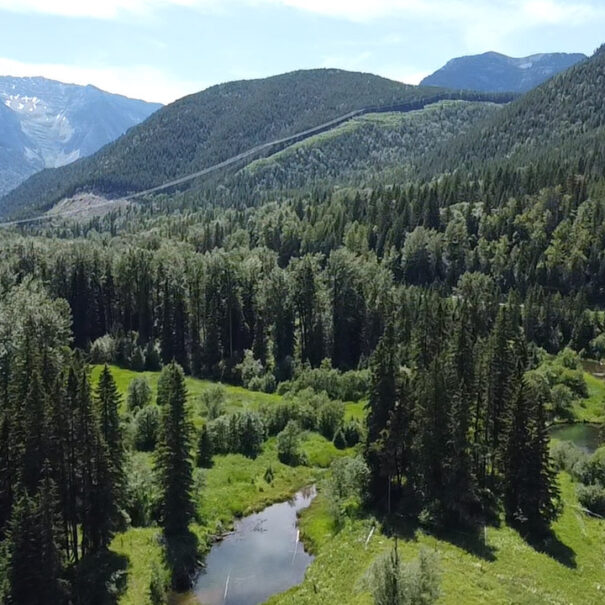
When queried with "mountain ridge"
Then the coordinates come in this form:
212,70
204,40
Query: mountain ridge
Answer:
213,125
58,123
496,72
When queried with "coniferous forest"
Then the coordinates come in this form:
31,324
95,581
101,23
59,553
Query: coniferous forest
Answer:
400,329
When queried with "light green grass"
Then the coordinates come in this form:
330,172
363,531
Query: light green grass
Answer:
518,574
591,409
235,485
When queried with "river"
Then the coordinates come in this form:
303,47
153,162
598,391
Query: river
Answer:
262,557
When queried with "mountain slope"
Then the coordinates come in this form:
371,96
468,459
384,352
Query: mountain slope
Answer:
369,148
58,123
562,120
206,128
494,72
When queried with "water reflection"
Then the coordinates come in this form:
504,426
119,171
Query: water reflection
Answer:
262,557
587,437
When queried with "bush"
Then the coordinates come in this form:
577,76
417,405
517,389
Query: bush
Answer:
347,486
103,350
288,445
592,497
330,417
562,400
141,495
396,583
348,386
213,401
567,457
147,423
139,394
239,433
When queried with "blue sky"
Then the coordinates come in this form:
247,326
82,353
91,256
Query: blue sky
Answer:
160,50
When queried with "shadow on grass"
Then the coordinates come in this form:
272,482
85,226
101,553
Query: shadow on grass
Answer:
182,559
548,544
101,578
472,540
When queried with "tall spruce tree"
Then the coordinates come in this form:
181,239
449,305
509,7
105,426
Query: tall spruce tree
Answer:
173,457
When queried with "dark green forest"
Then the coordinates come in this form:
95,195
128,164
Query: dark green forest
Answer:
436,283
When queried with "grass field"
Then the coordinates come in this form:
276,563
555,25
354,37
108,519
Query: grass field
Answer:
233,487
592,409
506,571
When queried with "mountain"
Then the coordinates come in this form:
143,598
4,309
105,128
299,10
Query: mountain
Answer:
46,124
561,120
494,72
370,148
216,124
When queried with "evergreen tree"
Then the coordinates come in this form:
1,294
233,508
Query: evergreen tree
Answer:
530,487
173,460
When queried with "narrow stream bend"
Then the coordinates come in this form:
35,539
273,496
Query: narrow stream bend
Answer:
262,557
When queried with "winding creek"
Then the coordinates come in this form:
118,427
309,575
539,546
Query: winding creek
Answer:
262,557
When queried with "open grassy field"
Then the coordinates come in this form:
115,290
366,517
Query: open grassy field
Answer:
233,487
507,570
570,571
592,409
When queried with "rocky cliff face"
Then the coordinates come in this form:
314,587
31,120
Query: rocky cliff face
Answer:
46,124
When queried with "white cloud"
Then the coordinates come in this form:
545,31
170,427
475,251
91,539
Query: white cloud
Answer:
525,13
94,9
141,82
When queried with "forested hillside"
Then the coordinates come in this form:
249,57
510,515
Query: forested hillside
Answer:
561,121
206,128
375,148
402,341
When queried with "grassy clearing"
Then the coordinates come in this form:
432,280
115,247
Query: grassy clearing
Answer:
507,571
235,486
591,409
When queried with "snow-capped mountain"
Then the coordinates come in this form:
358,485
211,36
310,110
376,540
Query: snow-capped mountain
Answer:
494,72
46,124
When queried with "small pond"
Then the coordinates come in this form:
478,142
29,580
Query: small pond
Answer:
262,557
587,437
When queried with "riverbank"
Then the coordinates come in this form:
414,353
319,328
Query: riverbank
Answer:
568,569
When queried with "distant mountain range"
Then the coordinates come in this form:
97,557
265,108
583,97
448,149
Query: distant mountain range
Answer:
211,126
47,124
494,72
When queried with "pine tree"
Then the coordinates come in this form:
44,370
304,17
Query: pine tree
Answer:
383,395
173,460
530,488
204,448
108,401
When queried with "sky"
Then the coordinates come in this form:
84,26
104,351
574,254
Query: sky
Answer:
161,50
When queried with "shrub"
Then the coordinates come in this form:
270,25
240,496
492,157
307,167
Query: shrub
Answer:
347,486
139,394
288,445
141,492
330,417
567,457
239,433
562,400
396,583
592,497
147,423
103,350
213,400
